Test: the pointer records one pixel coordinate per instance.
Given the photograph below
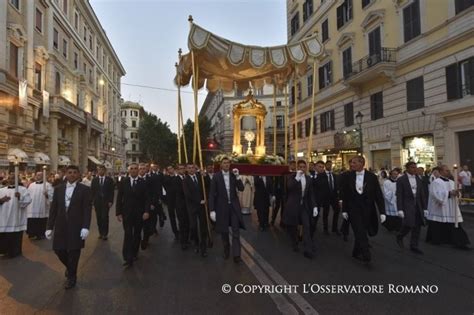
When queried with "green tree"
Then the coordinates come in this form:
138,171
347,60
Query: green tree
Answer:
157,142
205,130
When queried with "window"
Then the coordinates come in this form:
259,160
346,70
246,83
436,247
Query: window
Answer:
90,42
76,20
15,3
349,114
460,79
134,124
38,76
325,75
307,9
300,129
39,20
14,60
307,127
327,121
461,5
365,3
298,86
294,132
136,113
295,23
376,106
97,52
347,62
57,84
78,100
278,103
375,45
280,121
411,21
37,121
325,30
134,147
315,120
76,60
92,107
90,76
55,39
131,112
65,48
310,85
415,94
344,13
85,34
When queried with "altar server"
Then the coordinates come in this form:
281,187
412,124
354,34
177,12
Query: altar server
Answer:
41,193
393,221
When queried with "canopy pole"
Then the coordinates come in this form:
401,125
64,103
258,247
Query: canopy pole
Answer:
313,104
287,114
274,121
185,148
195,88
296,117
179,112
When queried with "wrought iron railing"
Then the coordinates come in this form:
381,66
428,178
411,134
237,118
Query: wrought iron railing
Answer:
385,55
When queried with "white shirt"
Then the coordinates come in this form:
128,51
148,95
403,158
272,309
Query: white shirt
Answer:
303,185
330,180
465,177
412,180
69,191
360,181
101,180
227,183
132,179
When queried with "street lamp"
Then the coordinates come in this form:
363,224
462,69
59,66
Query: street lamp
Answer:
113,160
359,116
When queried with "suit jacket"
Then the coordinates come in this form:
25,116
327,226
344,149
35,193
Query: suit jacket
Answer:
67,225
193,193
219,202
180,197
408,203
372,199
169,183
334,193
207,184
263,192
321,190
155,187
296,201
101,196
134,200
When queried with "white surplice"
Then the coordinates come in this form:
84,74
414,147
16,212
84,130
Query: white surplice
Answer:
13,216
390,196
39,206
441,208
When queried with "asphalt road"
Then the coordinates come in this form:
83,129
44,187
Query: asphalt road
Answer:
166,280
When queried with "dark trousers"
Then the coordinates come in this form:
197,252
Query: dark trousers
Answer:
36,227
335,208
293,232
183,222
235,227
102,215
415,230
277,206
313,223
263,214
11,243
361,242
172,216
70,259
198,228
345,227
132,226
149,226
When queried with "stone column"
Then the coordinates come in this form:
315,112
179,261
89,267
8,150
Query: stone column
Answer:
3,34
30,30
84,151
53,149
97,146
75,144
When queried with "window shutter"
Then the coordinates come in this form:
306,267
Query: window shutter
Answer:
321,77
452,82
470,75
333,125
340,21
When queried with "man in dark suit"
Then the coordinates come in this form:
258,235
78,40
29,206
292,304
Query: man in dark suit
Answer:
300,208
225,208
169,184
181,211
158,191
153,183
70,218
208,178
262,199
102,188
278,191
362,196
411,203
132,209
333,196
193,192
320,191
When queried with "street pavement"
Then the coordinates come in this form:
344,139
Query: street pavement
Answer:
166,280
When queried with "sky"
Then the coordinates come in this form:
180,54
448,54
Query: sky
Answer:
146,35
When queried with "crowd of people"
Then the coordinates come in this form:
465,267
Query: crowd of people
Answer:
200,203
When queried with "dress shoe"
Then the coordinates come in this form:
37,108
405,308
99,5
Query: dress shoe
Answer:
237,259
399,241
416,250
70,283
308,255
105,238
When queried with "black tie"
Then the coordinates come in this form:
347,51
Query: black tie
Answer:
331,186
195,180
134,183
101,181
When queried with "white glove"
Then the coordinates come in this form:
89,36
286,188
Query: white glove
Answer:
345,216
84,234
382,218
213,216
299,175
315,212
48,234
235,171
426,213
272,199
401,214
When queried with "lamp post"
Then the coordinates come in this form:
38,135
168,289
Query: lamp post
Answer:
113,160
359,116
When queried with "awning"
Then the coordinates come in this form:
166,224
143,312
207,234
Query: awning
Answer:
107,164
64,160
224,64
17,155
42,159
94,160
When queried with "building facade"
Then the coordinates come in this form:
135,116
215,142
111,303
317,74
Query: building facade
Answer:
218,109
395,83
71,112
131,114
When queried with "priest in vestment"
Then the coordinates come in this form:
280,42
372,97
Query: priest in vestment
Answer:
443,213
393,222
246,196
13,217
41,193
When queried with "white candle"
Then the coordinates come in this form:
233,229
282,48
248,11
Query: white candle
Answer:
17,171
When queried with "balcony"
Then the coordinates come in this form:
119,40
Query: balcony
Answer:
62,106
379,66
